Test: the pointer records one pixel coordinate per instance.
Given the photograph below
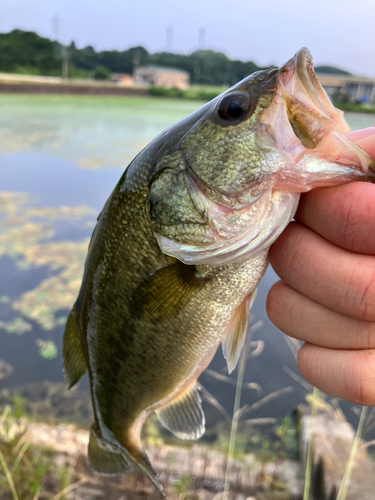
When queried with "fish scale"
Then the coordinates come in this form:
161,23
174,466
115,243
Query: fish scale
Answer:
182,243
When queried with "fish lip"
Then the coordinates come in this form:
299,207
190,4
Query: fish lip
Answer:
305,71
301,66
307,76
299,72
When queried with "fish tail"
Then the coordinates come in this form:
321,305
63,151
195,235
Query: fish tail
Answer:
141,461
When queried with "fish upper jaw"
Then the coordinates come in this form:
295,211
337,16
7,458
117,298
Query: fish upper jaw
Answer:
310,132
297,76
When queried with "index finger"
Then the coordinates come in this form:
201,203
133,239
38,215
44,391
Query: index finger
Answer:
344,215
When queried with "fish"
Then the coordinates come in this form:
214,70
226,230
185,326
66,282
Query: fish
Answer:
181,245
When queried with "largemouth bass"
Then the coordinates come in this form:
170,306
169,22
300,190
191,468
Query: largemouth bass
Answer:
181,245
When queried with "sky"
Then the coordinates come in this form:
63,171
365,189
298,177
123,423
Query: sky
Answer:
337,32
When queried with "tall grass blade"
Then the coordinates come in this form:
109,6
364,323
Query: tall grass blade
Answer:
237,402
306,492
270,397
69,488
8,475
343,491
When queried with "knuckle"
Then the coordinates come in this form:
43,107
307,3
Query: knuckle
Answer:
365,296
279,306
273,299
360,378
364,335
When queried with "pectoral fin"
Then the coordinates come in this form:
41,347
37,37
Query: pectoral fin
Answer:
165,293
74,358
236,335
184,416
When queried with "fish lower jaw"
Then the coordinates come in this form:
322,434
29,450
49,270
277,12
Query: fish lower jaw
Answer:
260,236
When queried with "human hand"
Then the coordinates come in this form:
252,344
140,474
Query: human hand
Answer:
326,261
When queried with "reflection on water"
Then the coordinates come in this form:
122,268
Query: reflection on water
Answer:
27,237
91,132
59,160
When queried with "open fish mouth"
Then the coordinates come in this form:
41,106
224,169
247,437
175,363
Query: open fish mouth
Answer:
297,77
314,118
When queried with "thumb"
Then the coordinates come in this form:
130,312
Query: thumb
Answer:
365,139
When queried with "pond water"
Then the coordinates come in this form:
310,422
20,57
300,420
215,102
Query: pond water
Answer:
60,157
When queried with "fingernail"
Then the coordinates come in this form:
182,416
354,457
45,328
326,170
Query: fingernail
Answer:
355,135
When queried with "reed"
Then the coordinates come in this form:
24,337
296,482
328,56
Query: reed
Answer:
344,487
309,459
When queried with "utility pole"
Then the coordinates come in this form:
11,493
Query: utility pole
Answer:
56,26
197,62
63,51
201,38
169,39
64,62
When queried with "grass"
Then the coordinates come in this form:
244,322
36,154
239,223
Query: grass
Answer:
309,461
351,106
29,473
26,471
343,491
202,92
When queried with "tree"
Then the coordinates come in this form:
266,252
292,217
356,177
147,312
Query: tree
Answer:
101,73
24,50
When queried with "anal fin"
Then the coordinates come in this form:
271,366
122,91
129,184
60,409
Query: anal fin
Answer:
102,458
74,359
236,335
184,416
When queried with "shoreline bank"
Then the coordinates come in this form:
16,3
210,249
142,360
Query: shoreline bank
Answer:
70,89
108,90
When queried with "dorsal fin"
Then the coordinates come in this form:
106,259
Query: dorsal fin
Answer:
166,292
236,335
184,415
74,359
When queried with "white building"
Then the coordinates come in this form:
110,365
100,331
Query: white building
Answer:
160,76
356,88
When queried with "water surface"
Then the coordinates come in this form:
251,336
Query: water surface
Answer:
60,157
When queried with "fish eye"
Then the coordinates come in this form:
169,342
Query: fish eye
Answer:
234,106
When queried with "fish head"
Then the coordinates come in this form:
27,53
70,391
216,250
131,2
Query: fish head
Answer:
231,183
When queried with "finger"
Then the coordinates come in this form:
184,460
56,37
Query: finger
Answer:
365,139
304,319
344,374
344,215
362,133
340,280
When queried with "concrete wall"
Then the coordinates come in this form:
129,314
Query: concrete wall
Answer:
69,88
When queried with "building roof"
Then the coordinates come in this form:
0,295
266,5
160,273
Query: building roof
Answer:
335,80
154,67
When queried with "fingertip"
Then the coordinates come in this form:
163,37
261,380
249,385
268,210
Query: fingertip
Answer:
362,133
365,139
349,375
273,300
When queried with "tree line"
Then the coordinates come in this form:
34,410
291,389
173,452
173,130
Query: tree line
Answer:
28,53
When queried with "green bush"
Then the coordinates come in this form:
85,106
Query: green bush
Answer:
101,73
